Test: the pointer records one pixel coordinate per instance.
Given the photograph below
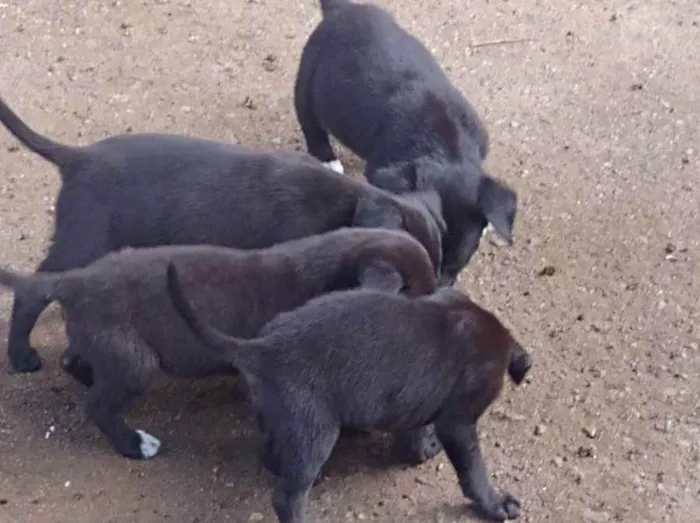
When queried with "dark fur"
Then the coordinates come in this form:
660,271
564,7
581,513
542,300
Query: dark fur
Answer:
122,327
368,360
378,90
149,190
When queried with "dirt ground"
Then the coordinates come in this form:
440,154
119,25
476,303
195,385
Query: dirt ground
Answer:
593,112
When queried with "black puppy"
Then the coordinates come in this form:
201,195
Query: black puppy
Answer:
149,190
369,360
378,90
122,327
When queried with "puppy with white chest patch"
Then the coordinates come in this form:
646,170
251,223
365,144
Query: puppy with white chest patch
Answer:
147,190
369,360
122,327
375,87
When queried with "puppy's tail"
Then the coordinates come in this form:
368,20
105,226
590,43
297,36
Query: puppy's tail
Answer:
58,154
328,6
398,252
43,284
228,347
519,363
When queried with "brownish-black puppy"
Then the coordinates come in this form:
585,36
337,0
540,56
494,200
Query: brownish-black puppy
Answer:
364,360
145,190
122,326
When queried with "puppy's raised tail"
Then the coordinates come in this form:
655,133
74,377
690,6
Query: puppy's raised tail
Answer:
519,363
226,346
58,154
328,6
43,284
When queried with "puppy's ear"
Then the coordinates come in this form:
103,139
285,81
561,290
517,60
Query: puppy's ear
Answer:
382,276
498,203
431,201
376,213
417,175
396,179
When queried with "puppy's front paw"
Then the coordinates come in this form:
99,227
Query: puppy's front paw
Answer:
504,507
335,165
417,446
150,445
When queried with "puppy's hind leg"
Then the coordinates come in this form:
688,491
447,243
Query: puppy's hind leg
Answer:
122,368
299,445
461,443
317,140
76,247
26,309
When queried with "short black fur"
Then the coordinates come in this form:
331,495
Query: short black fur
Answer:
368,360
150,190
122,327
375,87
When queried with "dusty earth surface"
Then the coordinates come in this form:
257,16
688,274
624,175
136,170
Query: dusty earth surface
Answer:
593,109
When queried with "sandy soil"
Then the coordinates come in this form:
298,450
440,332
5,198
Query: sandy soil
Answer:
594,118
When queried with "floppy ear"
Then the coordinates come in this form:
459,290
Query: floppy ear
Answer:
498,203
370,212
396,179
390,214
432,202
416,175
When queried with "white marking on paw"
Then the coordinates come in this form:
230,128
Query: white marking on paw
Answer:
489,228
150,445
335,165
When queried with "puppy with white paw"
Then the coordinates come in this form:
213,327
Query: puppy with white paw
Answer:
122,327
380,92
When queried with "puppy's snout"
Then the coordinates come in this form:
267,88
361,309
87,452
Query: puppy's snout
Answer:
519,365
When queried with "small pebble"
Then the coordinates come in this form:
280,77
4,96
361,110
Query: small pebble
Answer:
591,432
540,430
577,475
595,516
50,432
663,426
249,103
586,451
270,63
547,270
256,516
